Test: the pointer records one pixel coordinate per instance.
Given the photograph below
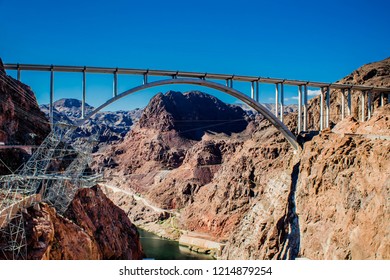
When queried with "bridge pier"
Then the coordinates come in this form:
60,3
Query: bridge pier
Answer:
342,104
115,83
51,113
322,109
276,100
281,101
299,129
305,108
18,72
84,93
363,103
145,80
382,99
257,91
349,102
328,106
253,90
369,105
229,83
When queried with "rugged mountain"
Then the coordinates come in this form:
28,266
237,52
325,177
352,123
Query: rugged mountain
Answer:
219,181
372,74
249,190
21,121
108,126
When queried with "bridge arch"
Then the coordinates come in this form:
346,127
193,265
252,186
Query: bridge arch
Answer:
204,83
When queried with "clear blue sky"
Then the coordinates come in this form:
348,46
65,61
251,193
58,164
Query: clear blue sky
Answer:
307,40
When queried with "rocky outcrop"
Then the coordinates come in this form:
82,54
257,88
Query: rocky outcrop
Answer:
92,228
108,225
21,120
343,191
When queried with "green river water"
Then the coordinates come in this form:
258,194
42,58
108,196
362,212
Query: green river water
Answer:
159,248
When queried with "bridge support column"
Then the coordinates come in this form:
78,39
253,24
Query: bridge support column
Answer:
84,93
229,83
305,108
349,102
281,101
299,109
253,90
369,105
363,101
115,84
382,99
257,91
18,72
51,113
342,104
327,107
322,109
145,81
276,99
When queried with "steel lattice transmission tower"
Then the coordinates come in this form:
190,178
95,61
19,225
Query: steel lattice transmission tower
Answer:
41,179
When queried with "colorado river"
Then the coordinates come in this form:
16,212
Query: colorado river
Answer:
159,248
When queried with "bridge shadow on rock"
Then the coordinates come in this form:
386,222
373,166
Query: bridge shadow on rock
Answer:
192,114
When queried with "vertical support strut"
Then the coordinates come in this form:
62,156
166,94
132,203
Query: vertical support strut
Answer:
382,99
349,101
18,72
327,106
305,108
299,109
276,99
253,90
115,83
84,93
145,81
363,101
257,91
342,103
51,113
281,101
369,105
322,109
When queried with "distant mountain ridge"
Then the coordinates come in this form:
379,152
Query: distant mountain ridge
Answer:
108,126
